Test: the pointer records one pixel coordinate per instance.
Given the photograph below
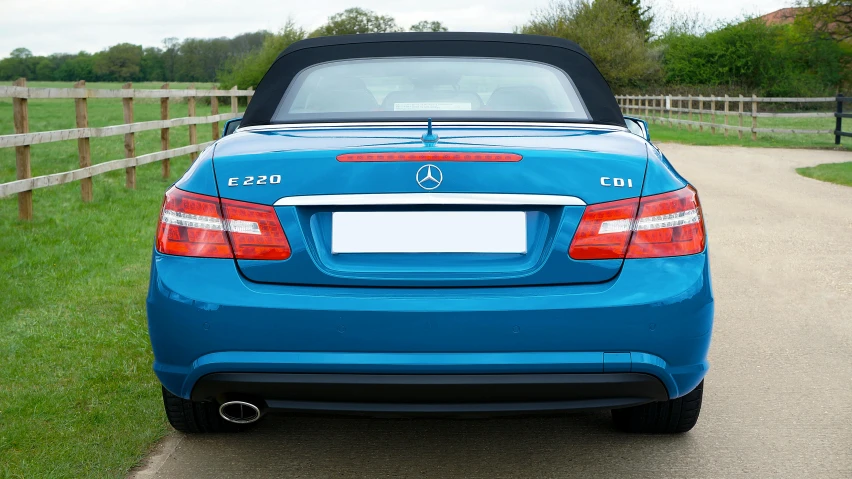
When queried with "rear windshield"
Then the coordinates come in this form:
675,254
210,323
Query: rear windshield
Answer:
417,88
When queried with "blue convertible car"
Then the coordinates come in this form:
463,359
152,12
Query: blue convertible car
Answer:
439,223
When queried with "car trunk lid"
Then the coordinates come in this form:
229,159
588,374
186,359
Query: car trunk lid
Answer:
426,221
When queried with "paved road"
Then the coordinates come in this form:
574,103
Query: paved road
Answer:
778,398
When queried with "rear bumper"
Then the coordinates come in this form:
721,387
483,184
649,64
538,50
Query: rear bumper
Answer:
655,318
430,393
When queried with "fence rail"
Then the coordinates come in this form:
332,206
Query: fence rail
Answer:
23,139
668,109
43,93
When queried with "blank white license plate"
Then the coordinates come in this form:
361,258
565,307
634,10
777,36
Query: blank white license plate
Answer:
429,232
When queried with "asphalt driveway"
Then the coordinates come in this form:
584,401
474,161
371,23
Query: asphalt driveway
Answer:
778,398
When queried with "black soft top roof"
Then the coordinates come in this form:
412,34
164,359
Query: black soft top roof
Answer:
561,53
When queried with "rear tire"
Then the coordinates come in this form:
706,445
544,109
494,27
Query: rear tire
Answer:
664,417
193,417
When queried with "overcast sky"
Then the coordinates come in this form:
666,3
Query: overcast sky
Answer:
52,26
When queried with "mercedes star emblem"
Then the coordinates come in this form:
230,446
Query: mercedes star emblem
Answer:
429,177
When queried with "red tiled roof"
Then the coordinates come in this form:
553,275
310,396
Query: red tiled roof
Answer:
782,16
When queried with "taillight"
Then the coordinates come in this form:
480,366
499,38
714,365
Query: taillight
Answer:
194,225
669,224
255,231
604,231
191,225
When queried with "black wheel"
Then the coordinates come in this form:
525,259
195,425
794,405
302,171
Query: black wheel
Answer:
663,417
196,417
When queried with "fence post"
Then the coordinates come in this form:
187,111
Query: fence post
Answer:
164,132
22,153
713,114
662,113
740,131
193,129
679,108
647,109
248,98
838,124
689,107
727,105
214,110
669,107
234,104
701,113
654,109
84,149
753,117
129,141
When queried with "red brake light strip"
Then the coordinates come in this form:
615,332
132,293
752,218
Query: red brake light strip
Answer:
430,156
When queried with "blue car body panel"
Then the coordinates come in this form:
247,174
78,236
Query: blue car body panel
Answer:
541,312
656,318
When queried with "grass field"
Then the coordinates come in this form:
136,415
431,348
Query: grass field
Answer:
665,133
78,397
840,173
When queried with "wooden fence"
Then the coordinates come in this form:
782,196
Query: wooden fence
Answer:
838,128
23,138
667,109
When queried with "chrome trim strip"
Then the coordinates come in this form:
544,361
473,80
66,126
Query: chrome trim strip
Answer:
388,199
416,124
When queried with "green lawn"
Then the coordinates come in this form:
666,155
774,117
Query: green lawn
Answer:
78,397
664,133
840,173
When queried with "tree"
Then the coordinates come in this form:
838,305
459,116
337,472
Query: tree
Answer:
20,64
201,58
828,17
76,67
751,56
21,53
605,29
44,70
354,21
170,57
152,67
642,17
247,71
427,26
120,62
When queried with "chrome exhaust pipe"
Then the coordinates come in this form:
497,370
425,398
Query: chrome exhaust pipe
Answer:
240,412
